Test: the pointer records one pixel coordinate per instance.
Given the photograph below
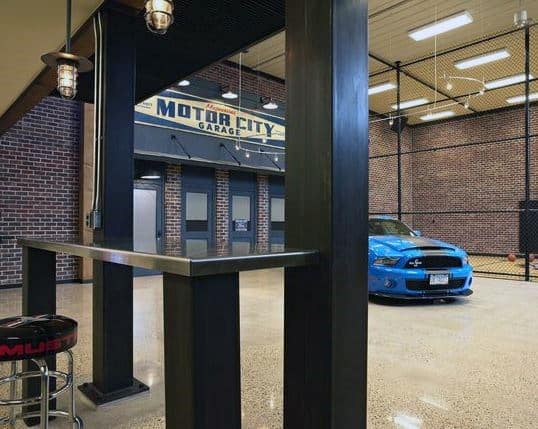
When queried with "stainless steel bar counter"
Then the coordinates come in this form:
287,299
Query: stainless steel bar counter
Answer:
201,320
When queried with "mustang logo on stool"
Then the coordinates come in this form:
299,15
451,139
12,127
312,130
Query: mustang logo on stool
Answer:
36,336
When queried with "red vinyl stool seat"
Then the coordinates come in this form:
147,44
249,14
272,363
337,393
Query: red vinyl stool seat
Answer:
35,337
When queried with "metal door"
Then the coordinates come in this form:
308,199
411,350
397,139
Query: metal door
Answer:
198,212
147,222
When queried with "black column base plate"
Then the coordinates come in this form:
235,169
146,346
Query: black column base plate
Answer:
99,398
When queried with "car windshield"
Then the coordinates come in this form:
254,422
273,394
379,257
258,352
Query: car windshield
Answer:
388,227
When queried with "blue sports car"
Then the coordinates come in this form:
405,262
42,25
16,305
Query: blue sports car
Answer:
402,264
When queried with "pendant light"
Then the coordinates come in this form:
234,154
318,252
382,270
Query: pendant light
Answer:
268,103
68,65
159,15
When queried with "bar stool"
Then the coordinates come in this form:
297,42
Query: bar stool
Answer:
35,338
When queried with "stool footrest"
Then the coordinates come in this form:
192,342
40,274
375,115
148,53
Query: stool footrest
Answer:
36,399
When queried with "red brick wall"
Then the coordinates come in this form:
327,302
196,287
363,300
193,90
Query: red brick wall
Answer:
262,210
222,196
227,74
471,178
172,205
383,170
39,176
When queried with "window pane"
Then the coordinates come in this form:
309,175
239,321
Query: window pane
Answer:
240,247
195,247
240,207
196,206
277,209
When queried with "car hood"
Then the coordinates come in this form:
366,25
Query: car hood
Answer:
401,243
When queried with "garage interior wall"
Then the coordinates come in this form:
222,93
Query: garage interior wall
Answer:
39,169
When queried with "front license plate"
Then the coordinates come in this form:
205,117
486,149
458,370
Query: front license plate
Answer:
438,279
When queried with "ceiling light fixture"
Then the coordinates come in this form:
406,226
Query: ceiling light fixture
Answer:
437,115
521,18
67,65
268,104
411,103
521,98
479,60
382,87
159,15
184,82
508,80
229,94
441,26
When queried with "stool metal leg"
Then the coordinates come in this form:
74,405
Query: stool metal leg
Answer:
44,370
77,421
12,394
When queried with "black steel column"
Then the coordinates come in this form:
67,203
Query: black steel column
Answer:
38,297
201,351
399,128
326,307
527,152
112,287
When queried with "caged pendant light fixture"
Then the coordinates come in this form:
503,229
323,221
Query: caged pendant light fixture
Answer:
67,65
159,15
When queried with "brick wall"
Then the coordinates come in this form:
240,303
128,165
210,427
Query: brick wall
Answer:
222,197
472,178
383,170
39,176
262,210
172,205
227,74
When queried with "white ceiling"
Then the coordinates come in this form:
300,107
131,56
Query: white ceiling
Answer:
28,29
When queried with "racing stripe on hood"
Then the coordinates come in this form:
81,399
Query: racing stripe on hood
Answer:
424,242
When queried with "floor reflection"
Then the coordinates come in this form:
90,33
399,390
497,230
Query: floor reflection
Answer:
462,365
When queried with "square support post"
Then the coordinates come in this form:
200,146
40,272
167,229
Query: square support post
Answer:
113,283
201,351
326,307
38,297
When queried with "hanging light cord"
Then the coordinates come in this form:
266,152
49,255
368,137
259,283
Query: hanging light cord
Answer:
68,27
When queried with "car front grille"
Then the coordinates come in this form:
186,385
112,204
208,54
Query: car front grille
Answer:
434,262
425,285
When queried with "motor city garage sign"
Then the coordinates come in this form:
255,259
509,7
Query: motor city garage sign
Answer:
193,114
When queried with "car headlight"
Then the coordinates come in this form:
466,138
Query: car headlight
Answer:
387,261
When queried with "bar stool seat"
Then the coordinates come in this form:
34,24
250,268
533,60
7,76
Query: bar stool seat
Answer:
24,338
34,338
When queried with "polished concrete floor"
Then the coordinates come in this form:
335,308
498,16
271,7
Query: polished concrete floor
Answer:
468,364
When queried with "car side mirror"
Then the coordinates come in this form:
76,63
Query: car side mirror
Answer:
418,233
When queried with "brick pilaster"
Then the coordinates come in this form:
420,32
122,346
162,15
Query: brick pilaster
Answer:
262,221
222,179
172,205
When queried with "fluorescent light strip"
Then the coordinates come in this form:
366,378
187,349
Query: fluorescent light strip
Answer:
479,60
508,80
441,26
382,87
437,115
411,103
521,98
